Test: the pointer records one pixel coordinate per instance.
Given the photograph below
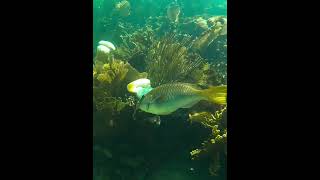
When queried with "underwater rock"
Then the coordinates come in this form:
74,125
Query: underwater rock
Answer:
199,25
202,23
216,20
202,42
194,26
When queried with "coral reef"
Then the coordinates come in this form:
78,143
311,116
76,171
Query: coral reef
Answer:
208,74
193,25
164,43
110,96
134,47
216,146
219,28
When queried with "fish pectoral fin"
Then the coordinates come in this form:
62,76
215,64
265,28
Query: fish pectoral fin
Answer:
160,99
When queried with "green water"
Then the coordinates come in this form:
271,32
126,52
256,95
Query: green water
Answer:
128,145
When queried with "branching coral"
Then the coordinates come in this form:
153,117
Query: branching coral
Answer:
215,147
135,44
107,79
110,96
109,84
168,60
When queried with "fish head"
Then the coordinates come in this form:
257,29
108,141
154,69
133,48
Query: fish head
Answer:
145,103
150,103
154,103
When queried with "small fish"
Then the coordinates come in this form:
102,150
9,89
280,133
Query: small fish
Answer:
123,8
173,12
154,120
168,98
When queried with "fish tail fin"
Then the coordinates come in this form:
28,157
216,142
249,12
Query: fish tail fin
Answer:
216,94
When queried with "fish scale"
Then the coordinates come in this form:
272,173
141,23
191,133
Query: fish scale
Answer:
171,90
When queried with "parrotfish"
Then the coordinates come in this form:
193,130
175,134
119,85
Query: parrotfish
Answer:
167,98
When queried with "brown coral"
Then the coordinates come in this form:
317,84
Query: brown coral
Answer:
215,146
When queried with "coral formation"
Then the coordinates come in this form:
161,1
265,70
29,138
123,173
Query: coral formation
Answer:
109,83
215,147
219,28
134,46
110,96
164,44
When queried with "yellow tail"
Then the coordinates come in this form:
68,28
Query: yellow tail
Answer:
216,94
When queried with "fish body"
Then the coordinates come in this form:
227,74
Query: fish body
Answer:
167,98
